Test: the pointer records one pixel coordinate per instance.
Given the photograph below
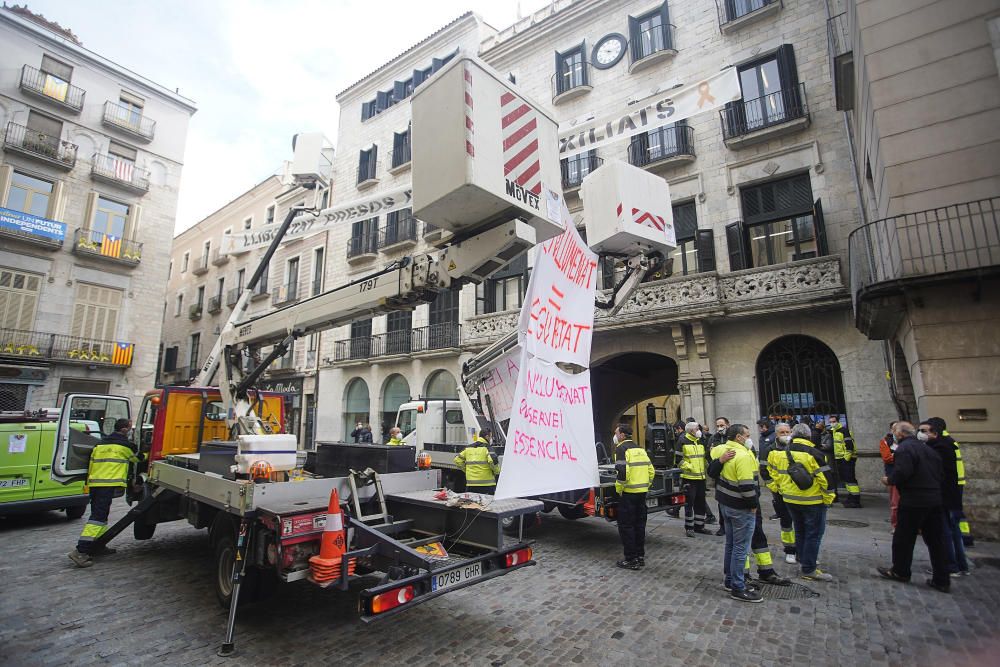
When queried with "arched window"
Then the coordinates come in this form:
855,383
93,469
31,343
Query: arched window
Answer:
797,376
356,405
441,384
395,392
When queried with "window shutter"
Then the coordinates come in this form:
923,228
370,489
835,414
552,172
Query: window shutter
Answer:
372,157
821,243
381,101
685,221
88,216
436,64
633,33
399,91
584,69
736,241
134,221
736,118
730,10
6,173
789,78
170,359
418,77
704,245
56,68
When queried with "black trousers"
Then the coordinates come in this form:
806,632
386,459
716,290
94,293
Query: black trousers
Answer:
97,523
760,549
632,524
489,490
695,506
929,522
785,519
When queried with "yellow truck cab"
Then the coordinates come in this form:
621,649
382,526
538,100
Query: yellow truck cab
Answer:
29,477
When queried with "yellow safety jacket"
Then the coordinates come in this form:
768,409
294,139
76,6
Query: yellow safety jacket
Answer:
635,470
395,441
959,463
693,464
475,460
109,465
803,451
736,485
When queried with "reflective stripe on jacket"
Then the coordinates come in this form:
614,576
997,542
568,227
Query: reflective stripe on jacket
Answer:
635,470
476,461
803,451
109,465
693,462
736,486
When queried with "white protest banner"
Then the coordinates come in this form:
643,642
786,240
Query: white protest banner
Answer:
309,224
501,383
557,319
550,440
651,113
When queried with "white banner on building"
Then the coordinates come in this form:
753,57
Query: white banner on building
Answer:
550,440
501,383
309,224
650,114
557,319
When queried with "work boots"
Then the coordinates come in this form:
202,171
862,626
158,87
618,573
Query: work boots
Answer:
80,559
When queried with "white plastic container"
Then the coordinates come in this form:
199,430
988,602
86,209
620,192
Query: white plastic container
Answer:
483,153
278,449
627,210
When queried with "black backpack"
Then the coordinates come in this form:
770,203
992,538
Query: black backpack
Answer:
797,471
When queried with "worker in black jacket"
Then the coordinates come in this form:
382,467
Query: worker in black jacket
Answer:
951,498
917,475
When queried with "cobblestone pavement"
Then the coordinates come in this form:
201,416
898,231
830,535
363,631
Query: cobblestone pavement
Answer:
152,602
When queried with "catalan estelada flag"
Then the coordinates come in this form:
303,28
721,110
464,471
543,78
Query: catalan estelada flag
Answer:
111,246
123,354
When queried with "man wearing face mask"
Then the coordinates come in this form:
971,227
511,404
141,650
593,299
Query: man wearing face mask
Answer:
917,474
693,468
887,449
716,439
844,452
783,438
635,474
945,447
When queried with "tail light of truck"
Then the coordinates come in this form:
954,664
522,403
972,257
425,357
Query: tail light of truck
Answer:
519,557
423,461
391,599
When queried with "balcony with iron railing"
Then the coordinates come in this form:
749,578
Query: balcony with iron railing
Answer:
661,148
23,345
215,304
890,258
433,339
285,294
398,235
747,122
367,174
219,258
195,311
89,242
576,168
120,172
129,120
432,232
735,14
40,146
52,89
571,82
362,247
260,290
429,340
400,158
233,296
651,46
200,267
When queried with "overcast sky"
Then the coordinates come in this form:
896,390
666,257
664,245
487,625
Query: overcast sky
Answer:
258,71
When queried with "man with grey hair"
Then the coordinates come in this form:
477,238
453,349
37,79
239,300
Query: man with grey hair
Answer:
806,499
917,474
782,439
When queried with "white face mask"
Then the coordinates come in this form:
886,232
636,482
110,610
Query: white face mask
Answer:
614,438
921,436
784,439
749,443
698,433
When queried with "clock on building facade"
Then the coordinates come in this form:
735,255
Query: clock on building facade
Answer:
608,51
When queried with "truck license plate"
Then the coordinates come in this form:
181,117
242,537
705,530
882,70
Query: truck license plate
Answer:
652,502
457,576
13,483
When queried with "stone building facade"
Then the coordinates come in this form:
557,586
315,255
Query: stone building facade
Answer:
753,315
919,87
89,174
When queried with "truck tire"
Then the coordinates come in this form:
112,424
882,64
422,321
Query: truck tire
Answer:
572,512
510,524
224,558
143,531
76,511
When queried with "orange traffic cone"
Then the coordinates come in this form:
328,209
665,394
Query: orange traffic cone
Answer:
326,567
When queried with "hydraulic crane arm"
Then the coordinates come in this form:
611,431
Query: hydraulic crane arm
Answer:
402,285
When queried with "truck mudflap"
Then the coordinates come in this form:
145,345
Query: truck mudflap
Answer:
452,574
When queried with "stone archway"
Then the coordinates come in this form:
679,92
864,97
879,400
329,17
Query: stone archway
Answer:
625,380
799,376
395,392
357,405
